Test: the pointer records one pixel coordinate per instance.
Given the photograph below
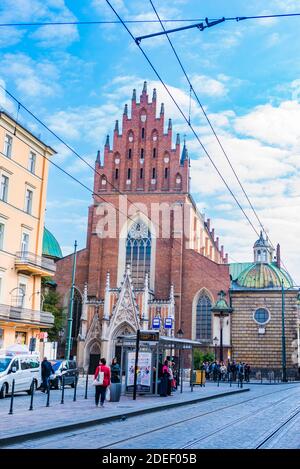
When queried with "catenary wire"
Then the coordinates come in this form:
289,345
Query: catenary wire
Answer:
179,20
192,89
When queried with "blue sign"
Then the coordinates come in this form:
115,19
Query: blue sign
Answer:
168,323
156,323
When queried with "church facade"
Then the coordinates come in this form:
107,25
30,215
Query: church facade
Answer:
150,254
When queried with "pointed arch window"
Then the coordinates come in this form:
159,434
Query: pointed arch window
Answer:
203,318
138,252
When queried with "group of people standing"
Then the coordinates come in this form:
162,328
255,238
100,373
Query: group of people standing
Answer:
168,378
110,375
232,371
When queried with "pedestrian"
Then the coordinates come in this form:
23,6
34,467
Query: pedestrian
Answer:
170,379
115,371
240,371
234,370
223,371
47,371
100,389
247,372
163,391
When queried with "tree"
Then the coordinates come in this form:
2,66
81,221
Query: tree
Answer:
52,304
200,357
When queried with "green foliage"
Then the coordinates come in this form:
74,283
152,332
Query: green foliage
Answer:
52,304
200,357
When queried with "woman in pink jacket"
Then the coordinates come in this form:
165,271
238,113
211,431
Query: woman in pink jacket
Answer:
101,389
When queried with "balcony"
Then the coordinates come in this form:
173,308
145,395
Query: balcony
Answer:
35,265
26,316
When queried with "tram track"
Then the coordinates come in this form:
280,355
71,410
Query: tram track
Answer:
277,431
203,414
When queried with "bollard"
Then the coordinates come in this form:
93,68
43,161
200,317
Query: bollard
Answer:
31,395
86,385
241,382
48,394
230,379
12,398
63,390
75,389
261,378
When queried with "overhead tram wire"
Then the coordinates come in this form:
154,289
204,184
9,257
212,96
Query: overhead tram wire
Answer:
179,20
175,240
185,117
211,126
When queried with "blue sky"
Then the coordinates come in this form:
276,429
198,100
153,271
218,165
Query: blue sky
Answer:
77,80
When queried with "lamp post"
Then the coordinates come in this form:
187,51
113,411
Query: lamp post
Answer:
221,309
215,341
180,334
283,347
70,318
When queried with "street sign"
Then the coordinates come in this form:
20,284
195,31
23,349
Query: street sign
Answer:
168,323
149,336
156,323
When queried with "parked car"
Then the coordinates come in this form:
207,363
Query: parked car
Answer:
25,369
63,368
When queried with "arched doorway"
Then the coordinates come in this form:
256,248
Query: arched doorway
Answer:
93,356
116,349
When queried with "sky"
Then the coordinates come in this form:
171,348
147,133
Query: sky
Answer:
77,79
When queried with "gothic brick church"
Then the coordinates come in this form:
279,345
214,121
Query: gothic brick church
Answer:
149,251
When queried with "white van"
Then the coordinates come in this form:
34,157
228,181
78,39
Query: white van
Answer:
25,369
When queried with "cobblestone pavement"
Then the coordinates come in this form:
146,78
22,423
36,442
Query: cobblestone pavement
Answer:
245,420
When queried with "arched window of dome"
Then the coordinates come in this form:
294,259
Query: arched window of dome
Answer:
138,252
203,318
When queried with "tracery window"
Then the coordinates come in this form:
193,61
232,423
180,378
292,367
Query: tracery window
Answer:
138,252
203,318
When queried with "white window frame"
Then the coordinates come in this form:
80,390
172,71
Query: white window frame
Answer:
24,233
7,150
27,190
2,199
32,162
3,234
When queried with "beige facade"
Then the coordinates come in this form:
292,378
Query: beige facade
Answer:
23,185
260,345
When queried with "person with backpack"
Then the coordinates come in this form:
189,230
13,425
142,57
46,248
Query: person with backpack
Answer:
101,381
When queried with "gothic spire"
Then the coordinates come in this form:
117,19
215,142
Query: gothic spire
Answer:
98,159
184,154
107,141
170,124
154,94
177,139
126,110
117,127
144,88
162,109
134,94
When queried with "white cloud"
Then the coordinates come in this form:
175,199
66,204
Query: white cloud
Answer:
208,86
32,78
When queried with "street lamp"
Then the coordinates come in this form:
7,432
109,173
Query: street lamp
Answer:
215,341
221,309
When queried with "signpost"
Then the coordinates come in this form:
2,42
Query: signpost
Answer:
156,323
168,323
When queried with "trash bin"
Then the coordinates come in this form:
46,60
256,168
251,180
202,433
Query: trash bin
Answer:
115,392
200,377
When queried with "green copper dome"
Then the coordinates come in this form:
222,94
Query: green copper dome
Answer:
260,275
51,248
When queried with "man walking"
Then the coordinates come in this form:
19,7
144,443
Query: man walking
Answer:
47,371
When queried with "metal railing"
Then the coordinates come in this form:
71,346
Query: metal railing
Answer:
26,257
15,313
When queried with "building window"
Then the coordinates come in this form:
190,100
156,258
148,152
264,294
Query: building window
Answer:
17,296
138,252
141,173
142,153
203,318
31,162
1,336
261,316
4,188
7,145
129,173
154,153
25,243
117,174
20,337
129,154
153,173
28,201
1,235
166,173
143,132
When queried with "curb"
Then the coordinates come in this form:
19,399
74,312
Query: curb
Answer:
89,423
